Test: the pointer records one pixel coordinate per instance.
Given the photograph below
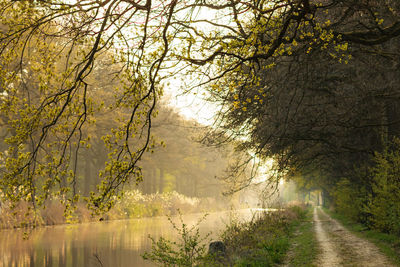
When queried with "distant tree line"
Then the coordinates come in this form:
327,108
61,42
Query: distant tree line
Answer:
179,163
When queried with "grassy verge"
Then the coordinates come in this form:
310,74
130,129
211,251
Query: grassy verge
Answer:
387,243
263,241
266,241
304,246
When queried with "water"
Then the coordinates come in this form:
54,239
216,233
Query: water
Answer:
114,243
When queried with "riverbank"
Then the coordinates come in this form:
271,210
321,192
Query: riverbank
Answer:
133,205
115,242
262,241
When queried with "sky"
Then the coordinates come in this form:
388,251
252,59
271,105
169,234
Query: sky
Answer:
190,105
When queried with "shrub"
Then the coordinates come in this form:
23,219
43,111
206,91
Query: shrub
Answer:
378,207
189,251
346,198
384,202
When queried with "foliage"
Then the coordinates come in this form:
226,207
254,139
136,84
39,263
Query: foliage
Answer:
49,99
255,57
377,207
313,104
383,205
183,165
190,250
347,199
264,240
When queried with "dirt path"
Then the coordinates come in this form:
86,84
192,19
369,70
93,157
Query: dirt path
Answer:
339,247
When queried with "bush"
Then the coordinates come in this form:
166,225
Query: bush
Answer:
384,201
347,201
189,251
378,206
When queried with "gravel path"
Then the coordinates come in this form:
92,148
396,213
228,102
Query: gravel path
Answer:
339,247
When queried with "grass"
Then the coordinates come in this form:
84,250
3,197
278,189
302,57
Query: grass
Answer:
304,248
389,244
265,241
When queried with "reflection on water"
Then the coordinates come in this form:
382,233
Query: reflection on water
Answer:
116,243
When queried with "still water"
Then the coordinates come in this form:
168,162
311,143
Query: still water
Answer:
115,243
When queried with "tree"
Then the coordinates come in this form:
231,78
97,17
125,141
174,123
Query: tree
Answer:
183,164
318,105
148,41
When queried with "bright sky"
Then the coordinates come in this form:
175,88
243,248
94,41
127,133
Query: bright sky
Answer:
191,106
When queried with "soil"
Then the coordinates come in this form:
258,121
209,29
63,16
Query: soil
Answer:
339,247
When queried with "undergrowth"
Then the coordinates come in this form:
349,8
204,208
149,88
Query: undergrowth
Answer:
262,241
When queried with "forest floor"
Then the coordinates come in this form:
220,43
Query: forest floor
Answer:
340,247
